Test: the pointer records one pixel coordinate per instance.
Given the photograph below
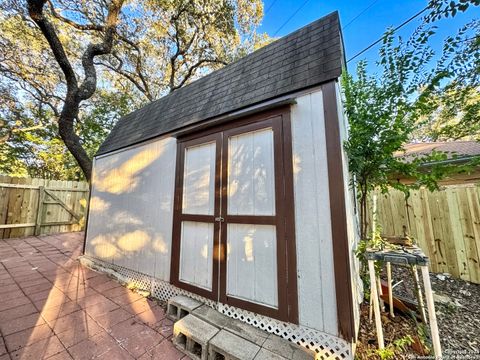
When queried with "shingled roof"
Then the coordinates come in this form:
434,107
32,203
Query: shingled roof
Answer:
305,58
453,149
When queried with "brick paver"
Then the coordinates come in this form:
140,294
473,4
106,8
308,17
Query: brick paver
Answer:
53,308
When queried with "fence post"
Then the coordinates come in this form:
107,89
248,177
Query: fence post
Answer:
39,219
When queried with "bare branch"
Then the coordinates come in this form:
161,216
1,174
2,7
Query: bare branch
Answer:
192,69
73,23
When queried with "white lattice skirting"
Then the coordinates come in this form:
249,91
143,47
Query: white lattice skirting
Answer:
326,346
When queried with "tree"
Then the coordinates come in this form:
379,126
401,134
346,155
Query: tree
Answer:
384,110
453,110
189,38
76,92
139,63
38,151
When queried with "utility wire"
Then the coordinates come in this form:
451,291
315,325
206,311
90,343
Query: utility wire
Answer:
291,17
360,14
394,30
270,6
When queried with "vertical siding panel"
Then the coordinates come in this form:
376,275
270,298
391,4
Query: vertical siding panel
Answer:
196,254
252,256
316,285
131,210
251,177
199,180
265,260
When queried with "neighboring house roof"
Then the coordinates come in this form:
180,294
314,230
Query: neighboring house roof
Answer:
457,149
307,57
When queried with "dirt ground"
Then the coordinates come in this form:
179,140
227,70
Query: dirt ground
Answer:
458,314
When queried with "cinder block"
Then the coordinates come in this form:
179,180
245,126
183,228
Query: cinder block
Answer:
191,336
180,306
206,313
287,349
226,345
264,354
246,331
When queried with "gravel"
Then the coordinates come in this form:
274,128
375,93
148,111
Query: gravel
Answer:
457,304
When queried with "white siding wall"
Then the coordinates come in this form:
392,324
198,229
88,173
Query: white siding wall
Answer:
316,282
131,209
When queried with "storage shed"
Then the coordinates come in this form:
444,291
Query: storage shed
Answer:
234,190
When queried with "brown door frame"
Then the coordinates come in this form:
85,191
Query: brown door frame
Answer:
279,120
179,216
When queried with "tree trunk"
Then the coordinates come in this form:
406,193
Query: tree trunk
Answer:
76,93
66,129
363,212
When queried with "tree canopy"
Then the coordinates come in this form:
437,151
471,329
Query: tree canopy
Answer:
417,95
58,70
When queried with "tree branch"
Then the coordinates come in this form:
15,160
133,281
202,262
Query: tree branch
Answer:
73,23
75,94
89,84
35,9
192,70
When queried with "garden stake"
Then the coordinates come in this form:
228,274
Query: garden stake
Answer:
418,293
431,312
390,293
376,306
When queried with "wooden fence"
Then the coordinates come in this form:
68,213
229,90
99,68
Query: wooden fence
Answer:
38,206
445,224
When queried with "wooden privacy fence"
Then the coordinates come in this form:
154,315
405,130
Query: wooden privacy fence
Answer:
445,224
38,206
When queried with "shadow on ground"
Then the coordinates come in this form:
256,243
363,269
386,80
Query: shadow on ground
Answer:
53,308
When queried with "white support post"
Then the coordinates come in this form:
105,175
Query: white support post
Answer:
380,293
418,293
370,308
390,292
376,306
432,317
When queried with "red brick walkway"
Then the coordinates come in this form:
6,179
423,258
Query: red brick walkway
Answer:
53,308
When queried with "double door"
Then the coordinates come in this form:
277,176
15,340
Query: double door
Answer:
232,234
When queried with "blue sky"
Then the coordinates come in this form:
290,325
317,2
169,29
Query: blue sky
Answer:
365,29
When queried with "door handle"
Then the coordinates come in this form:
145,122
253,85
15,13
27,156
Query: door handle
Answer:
219,219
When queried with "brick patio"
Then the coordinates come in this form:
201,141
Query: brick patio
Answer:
53,308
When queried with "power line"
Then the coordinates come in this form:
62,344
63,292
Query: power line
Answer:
270,6
394,30
291,17
361,13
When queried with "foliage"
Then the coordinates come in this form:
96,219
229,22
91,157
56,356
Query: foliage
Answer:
40,152
397,347
159,46
384,110
452,111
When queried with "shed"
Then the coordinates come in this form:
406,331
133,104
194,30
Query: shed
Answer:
234,190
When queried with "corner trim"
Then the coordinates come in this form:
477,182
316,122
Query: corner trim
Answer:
87,213
341,254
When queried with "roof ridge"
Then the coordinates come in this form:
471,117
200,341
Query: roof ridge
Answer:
304,58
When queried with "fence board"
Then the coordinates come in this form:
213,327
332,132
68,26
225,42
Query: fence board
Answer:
445,224
21,208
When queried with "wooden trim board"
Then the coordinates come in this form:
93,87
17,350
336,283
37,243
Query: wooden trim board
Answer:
341,252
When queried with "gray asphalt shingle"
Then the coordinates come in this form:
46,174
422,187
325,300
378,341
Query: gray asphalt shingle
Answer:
307,57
